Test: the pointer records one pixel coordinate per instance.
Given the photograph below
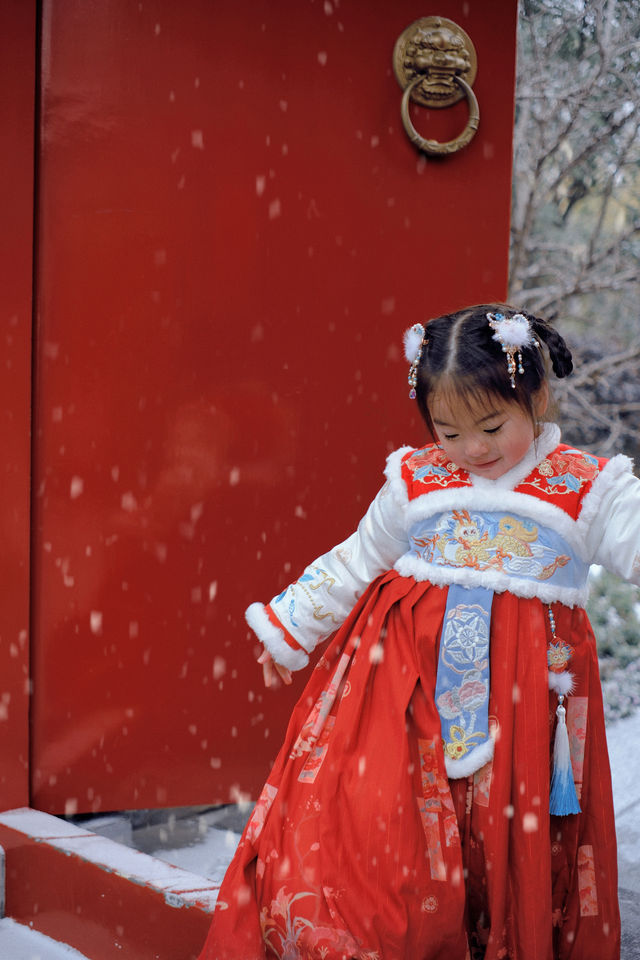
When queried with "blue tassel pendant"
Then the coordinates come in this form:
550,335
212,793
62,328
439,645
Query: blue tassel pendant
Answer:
563,798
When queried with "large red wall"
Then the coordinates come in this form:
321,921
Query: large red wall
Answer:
232,232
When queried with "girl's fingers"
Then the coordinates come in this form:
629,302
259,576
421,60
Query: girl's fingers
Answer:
269,674
284,672
273,672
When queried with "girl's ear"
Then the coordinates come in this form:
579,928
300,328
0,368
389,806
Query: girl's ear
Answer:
541,400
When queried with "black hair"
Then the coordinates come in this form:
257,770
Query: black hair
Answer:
460,355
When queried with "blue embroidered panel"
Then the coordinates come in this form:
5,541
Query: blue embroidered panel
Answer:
462,684
497,541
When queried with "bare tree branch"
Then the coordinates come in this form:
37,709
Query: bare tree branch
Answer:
575,244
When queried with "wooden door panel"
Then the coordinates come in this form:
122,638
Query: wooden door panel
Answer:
233,233
17,55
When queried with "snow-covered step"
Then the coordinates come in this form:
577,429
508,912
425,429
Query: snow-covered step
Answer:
108,901
18,942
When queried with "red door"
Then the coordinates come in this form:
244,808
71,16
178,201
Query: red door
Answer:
233,232
17,56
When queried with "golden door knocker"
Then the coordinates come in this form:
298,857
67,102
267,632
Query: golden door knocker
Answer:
435,63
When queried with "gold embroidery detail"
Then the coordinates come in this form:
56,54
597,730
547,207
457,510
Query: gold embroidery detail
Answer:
460,742
326,581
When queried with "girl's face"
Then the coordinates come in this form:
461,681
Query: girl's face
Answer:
485,439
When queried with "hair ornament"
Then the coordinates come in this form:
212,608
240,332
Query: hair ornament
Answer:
513,334
415,339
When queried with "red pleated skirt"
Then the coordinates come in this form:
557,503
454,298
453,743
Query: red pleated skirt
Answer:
360,847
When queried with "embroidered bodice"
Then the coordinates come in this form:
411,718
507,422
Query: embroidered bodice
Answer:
534,532
523,535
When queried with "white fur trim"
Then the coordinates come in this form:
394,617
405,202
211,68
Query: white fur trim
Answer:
393,473
412,340
606,479
273,639
538,451
561,683
496,580
473,761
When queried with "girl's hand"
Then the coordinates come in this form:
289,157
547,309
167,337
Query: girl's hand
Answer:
273,672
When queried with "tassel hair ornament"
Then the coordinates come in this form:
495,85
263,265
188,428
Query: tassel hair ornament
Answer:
513,334
563,799
415,340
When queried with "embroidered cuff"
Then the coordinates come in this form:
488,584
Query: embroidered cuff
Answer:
284,649
289,638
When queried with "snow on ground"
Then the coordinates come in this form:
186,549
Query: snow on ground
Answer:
18,942
208,857
623,738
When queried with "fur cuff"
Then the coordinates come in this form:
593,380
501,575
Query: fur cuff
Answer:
274,639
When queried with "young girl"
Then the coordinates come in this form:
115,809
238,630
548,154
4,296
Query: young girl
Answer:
444,792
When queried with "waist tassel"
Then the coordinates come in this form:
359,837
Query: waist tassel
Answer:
563,799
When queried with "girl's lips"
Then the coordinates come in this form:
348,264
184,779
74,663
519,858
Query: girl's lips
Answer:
484,466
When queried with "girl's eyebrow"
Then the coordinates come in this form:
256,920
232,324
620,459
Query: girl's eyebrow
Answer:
443,423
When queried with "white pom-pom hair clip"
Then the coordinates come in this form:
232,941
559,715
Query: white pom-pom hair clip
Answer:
415,339
513,334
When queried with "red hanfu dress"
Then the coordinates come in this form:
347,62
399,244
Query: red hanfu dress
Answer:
361,845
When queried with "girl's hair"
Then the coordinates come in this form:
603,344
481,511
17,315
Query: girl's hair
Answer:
460,356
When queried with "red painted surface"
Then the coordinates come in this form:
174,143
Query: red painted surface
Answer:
17,56
102,913
234,232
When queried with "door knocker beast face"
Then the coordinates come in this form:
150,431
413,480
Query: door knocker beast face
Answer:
435,63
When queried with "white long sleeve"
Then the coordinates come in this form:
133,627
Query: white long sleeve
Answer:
316,604
612,525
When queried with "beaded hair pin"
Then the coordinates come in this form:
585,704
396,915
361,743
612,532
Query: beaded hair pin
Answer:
415,340
512,333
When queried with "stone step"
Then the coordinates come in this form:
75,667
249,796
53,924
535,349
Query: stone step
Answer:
20,942
106,900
